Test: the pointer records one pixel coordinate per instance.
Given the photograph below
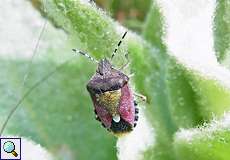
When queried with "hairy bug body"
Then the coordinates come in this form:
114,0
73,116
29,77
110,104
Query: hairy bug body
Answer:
112,98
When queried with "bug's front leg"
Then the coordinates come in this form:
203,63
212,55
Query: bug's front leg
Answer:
127,63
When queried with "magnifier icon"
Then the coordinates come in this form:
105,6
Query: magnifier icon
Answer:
9,147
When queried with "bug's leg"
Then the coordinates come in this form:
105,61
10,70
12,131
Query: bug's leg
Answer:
131,75
124,66
127,62
142,97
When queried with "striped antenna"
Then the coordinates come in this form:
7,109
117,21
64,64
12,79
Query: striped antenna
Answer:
119,43
86,55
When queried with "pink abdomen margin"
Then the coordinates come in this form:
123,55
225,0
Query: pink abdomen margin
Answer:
126,108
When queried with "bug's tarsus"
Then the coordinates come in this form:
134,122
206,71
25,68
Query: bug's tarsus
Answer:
119,43
86,55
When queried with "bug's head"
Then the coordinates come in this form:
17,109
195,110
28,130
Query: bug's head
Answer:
104,67
106,79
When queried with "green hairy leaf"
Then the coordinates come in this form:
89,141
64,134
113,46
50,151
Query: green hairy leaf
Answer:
222,31
178,120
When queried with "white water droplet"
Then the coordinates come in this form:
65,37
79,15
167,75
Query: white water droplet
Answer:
116,118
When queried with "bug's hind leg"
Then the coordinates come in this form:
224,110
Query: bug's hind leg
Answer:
142,97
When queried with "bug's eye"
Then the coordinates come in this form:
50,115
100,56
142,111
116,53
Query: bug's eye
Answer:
99,72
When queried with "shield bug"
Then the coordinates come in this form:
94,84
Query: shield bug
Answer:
112,96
